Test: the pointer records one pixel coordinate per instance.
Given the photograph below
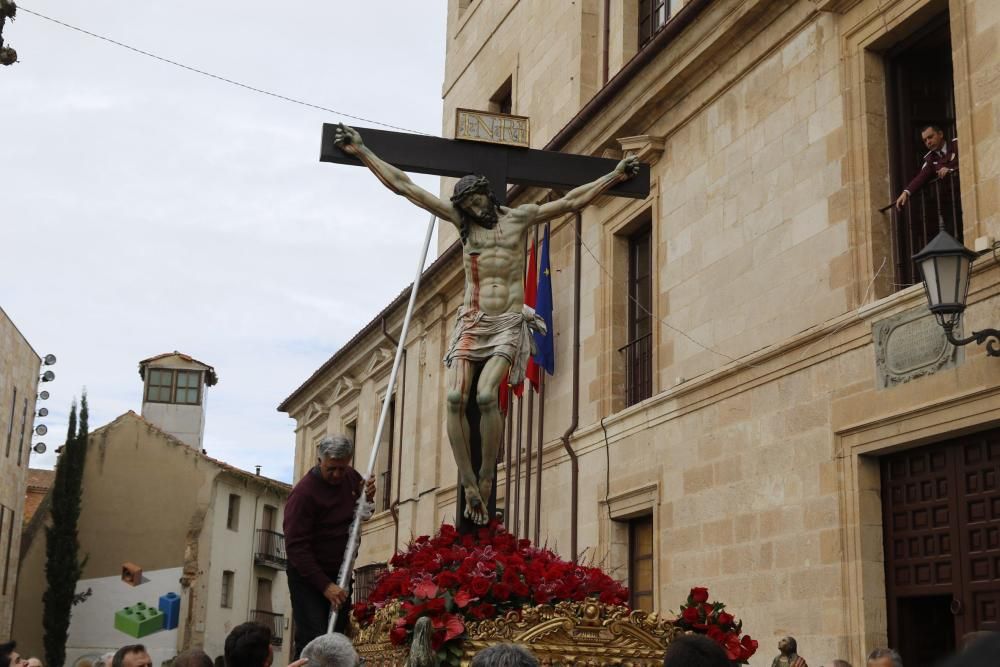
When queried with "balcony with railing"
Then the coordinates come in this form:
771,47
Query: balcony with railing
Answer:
276,622
915,224
638,357
270,549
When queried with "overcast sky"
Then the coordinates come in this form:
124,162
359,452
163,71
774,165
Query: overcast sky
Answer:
145,208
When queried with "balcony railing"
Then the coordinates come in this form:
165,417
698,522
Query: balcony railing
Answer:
917,223
364,580
638,369
270,620
270,549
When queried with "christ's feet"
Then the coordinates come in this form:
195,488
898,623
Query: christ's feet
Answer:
485,488
475,508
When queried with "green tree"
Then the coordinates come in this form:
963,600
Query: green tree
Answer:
63,564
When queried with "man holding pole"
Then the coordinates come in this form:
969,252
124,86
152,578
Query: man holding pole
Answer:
317,524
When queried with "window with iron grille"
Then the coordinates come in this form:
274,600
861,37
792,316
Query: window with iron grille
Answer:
386,455
638,352
640,562
653,15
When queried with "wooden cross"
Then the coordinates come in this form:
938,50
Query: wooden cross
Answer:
501,165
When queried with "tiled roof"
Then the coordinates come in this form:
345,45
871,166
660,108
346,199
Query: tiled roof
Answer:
210,377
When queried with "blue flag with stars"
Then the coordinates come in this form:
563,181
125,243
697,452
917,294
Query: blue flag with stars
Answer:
546,356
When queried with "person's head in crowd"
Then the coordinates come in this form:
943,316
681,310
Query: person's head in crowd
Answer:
333,456
193,657
933,137
504,655
980,650
837,663
132,655
9,657
331,650
249,645
694,651
884,657
33,662
106,659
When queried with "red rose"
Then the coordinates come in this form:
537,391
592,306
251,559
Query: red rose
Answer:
479,586
397,635
435,606
716,634
447,579
541,596
482,611
725,618
733,647
501,591
699,595
691,615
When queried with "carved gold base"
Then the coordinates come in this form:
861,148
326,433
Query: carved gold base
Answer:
566,634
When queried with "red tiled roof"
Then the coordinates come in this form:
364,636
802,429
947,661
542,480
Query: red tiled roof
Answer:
210,377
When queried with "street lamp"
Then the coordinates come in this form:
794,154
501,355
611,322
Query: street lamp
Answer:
946,267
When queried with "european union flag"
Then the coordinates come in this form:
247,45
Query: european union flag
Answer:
546,357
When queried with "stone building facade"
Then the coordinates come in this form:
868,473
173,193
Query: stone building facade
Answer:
762,404
19,369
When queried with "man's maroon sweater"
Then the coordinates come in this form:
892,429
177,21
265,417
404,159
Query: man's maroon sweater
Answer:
317,522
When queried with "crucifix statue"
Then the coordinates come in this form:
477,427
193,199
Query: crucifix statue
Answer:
492,338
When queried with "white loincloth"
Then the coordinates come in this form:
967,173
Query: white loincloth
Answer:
479,336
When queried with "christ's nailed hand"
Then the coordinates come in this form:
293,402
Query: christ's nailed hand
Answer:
628,167
347,138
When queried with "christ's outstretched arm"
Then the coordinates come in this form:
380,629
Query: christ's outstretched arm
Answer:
581,196
349,141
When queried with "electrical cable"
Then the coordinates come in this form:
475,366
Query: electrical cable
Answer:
216,76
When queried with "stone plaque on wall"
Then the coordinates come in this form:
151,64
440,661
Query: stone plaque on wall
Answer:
909,345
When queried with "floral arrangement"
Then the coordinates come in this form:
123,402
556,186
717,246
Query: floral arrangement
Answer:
456,579
711,618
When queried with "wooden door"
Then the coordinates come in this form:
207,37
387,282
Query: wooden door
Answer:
941,520
979,522
263,594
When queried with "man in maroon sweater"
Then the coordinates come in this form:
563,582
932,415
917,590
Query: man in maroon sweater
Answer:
318,518
940,160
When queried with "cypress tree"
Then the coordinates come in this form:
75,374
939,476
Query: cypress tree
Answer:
63,565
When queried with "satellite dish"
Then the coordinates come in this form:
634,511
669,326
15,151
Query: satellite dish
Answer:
49,359
43,395
39,448
48,376
43,412
41,429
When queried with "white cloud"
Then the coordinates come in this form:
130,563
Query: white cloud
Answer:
148,209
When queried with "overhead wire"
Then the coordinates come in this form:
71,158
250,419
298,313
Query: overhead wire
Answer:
217,77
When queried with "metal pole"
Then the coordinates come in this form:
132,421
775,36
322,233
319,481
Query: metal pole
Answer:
347,565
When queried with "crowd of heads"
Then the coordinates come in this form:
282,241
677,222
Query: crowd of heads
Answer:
250,645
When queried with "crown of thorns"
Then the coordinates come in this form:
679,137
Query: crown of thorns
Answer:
468,185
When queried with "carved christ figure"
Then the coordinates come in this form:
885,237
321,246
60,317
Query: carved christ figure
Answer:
494,326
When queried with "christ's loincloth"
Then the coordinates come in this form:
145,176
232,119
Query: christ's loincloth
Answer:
479,336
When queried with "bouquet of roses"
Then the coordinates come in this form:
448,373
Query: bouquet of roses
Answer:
711,618
455,579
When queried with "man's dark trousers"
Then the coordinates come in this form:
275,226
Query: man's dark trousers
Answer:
311,611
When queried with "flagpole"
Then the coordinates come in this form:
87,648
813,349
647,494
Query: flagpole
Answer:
351,552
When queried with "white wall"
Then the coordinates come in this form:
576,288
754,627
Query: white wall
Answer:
92,625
